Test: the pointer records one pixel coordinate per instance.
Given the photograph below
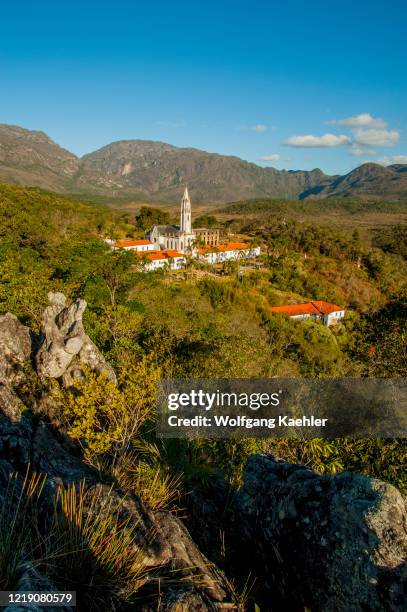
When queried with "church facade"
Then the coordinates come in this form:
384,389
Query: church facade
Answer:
180,238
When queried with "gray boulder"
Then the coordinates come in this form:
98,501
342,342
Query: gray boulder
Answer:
15,349
10,404
185,600
149,546
162,545
15,439
328,543
65,348
62,336
31,580
55,457
187,561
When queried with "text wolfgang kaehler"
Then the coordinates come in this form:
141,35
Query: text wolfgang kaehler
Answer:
209,401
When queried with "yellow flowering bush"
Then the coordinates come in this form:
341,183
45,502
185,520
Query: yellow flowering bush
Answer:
105,418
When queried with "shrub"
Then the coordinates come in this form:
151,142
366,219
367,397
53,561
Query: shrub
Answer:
105,418
149,478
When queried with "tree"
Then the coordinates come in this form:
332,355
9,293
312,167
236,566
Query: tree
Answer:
205,221
116,271
149,216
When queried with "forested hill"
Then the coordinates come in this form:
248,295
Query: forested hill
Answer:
42,236
152,171
344,206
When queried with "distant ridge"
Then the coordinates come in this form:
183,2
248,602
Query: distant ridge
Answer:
369,180
152,171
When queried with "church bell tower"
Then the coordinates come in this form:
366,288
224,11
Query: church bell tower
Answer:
186,223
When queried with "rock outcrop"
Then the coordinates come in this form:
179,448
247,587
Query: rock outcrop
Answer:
15,350
187,560
29,444
65,348
30,579
328,543
184,600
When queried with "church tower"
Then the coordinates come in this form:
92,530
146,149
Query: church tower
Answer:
186,223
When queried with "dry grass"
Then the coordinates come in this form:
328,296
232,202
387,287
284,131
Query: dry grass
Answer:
148,478
94,549
20,541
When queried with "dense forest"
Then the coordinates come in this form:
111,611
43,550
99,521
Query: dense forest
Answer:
343,205
198,323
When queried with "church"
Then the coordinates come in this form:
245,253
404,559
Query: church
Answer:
173,237
183,238
168,245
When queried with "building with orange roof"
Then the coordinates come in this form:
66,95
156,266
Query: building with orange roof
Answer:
167,243
226,252
186,239
140,246
329,314
155,260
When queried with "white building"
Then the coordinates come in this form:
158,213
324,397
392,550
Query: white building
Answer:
170,259
140,246
329,314
165,245
226,252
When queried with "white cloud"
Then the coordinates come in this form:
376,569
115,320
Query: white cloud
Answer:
259,127
357,150
274,157
387,160
256,127
365,133
307,141
376,138
361,120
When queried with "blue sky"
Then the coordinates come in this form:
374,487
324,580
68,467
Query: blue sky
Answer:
292,84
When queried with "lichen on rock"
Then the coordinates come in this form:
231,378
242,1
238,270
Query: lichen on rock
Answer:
65,347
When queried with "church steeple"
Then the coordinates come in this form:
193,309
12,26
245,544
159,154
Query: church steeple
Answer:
186,223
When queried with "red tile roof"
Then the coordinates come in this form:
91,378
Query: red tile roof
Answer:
130,243
318,307
159,255
172,253
155,255
326,307
221,248
233,246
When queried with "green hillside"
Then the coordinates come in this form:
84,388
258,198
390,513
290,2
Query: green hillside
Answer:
205,323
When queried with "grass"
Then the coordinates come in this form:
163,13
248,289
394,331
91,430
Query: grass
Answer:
149,479
20,541
95,547
82,544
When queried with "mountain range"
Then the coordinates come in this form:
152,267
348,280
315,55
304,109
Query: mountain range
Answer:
155,171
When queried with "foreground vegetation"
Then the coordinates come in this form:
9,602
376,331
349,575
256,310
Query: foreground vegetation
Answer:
196,323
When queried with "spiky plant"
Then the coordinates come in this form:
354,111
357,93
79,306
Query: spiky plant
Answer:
95,549
20,539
